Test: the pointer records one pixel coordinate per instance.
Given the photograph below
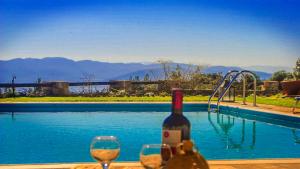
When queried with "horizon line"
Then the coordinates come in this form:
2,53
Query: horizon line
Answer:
143,62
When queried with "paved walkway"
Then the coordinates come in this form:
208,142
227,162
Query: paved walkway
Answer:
214,164
265,108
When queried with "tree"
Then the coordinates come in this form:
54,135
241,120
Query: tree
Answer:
154,75
147,77
136,78
87,78
176,74
13,85
279,75
166,67
131,78
250,81
38,89
296,72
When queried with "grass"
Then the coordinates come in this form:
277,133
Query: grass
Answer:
276,100
101,99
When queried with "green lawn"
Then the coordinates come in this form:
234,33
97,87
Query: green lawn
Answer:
273,100
101,99
276,100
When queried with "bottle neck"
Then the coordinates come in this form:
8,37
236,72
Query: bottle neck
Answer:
177,98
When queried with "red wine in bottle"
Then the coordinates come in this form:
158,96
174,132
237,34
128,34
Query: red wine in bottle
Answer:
176,127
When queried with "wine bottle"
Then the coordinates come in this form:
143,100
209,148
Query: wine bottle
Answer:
176,127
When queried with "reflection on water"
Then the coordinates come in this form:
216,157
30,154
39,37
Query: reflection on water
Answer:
13,116
296,137
222,126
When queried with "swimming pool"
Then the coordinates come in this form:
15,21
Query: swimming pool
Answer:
55,133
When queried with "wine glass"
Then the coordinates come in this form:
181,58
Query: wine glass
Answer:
154,156
105,149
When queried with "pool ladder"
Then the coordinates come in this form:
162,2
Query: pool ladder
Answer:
232,76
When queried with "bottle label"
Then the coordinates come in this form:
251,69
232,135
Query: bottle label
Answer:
171,137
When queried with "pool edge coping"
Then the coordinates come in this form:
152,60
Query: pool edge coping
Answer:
264,110
231,105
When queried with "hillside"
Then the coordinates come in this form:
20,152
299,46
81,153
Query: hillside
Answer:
58,68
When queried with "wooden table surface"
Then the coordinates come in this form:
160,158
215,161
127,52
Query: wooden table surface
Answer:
214,164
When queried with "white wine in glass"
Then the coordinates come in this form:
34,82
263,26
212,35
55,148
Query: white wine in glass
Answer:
105,149
152,156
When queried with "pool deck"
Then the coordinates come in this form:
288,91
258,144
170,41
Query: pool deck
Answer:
214,164
264,108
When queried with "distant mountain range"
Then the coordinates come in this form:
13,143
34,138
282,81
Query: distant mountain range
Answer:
62,69
268,69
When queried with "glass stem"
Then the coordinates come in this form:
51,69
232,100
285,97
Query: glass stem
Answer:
105,165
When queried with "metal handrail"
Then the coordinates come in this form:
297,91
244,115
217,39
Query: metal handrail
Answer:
244,87
228,74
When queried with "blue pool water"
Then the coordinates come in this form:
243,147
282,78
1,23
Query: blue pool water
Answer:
54,133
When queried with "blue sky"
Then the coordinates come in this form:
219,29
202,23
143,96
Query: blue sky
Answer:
219,32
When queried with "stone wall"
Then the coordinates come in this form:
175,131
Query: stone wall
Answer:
57,89
121,85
